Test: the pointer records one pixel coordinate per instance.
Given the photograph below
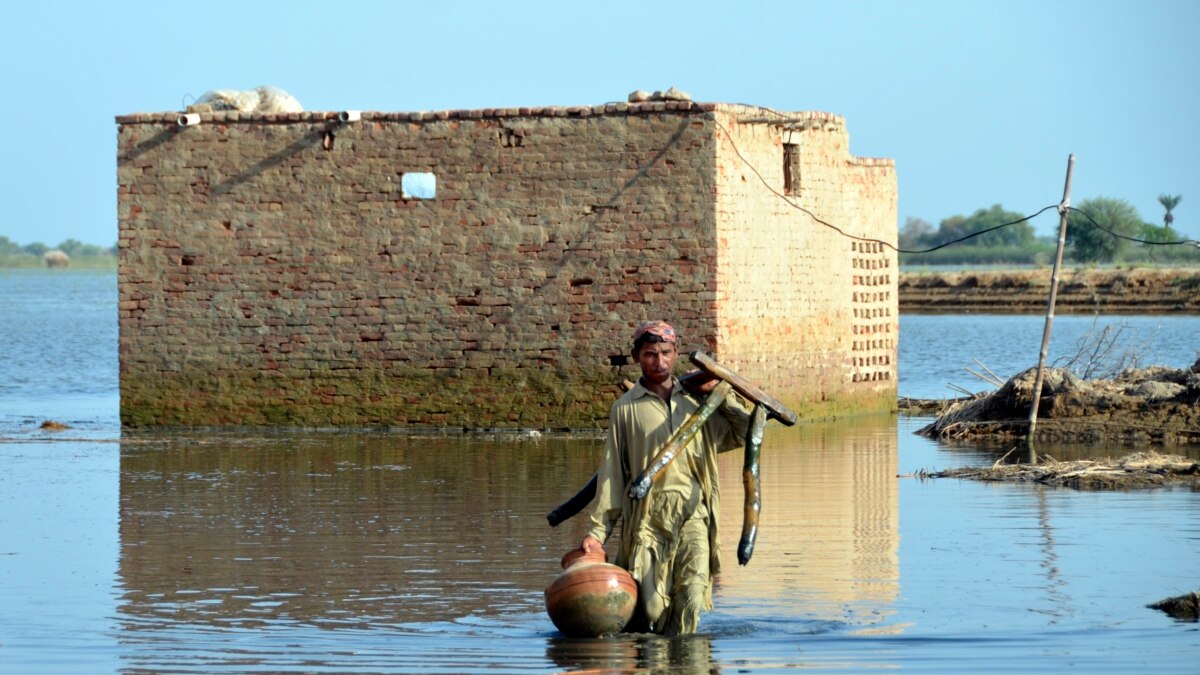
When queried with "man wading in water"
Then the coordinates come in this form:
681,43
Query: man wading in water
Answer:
669,540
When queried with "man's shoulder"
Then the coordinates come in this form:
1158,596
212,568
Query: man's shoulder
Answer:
630,397
639,396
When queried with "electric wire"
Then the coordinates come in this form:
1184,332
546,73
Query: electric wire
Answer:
835,228
1102,228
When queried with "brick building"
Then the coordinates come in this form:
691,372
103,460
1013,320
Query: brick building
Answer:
480,268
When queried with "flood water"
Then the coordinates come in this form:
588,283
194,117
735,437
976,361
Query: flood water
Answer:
346,551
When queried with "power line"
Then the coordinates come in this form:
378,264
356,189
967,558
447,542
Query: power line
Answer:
984,231
1123,236
835,228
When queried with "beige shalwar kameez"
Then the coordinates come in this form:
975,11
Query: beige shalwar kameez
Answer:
669,541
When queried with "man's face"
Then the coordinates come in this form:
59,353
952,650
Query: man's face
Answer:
657,360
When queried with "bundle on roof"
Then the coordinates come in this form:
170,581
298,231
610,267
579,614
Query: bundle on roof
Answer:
264,99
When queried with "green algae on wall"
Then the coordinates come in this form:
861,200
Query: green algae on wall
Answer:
410,397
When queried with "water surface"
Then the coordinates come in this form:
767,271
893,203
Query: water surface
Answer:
253,550
58,348
937,351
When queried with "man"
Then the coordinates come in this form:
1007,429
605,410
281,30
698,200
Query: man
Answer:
669,540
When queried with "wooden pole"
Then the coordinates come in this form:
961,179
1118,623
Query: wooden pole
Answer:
683,435
745,387
1036,393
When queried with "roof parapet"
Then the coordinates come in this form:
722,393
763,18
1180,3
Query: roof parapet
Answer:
746,114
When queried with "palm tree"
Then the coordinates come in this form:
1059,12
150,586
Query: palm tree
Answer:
1169,202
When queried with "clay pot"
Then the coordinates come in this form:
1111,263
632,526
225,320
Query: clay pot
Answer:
591,597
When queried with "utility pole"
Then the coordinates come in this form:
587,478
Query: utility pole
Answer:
1064,208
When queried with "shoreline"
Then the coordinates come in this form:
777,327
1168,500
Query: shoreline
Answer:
1018,291
1080,291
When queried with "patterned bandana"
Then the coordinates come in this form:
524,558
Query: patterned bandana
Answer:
660,328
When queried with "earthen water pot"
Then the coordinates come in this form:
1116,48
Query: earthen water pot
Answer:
591,597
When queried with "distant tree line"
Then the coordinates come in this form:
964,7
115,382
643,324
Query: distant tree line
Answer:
13,254
1110,239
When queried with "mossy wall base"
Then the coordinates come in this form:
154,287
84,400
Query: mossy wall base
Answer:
516,399
512,399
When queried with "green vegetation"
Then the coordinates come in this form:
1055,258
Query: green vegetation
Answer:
1014,244
1097,231
1169,203
1110,240
87,256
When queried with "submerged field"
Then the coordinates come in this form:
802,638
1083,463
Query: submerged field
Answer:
1110,291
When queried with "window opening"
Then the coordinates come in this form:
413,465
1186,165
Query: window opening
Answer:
422,185
791,169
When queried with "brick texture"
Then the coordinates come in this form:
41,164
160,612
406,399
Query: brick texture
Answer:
802,307
272,271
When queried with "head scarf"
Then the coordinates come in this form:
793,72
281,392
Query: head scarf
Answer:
660,328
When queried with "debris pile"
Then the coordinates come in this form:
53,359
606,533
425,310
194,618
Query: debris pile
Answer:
1155,405
1140,469
56,259
1185,607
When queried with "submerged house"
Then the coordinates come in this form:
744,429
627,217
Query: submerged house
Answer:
485,268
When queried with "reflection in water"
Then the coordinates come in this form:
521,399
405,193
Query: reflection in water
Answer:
1059,600
829,541
339,529
448,534
688,654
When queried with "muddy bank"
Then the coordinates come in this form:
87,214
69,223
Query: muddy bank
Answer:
1143,406
1138,470
1136,291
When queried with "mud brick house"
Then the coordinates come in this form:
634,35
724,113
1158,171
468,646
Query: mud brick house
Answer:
484,268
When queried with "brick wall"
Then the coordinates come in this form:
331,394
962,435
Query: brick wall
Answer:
802,307
274,271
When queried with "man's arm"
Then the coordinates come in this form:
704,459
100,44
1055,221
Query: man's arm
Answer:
609,483
734,411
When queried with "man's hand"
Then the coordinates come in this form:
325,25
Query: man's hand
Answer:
698,382
591,544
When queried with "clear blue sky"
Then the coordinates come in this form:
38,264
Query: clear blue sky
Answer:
978,102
